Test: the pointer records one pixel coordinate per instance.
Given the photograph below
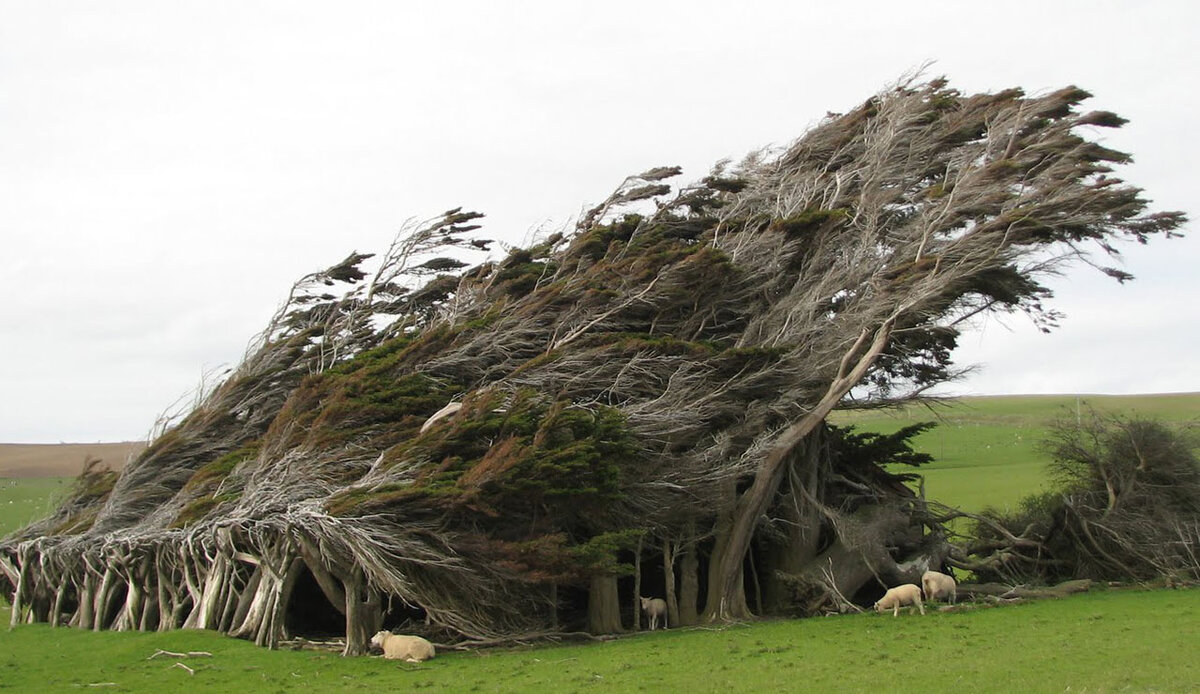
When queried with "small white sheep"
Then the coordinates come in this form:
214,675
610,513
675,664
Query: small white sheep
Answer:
654,609
895,598
414,649
938,585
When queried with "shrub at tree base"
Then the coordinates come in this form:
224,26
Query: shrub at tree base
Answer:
640,401
1128,508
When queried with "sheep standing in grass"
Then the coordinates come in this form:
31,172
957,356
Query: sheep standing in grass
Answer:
655,608
895,598
414,649
938,585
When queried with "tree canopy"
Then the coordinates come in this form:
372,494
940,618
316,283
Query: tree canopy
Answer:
494,445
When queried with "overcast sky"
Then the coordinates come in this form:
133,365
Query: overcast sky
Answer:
168,169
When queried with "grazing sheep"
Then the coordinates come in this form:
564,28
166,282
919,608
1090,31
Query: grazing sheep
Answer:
937,585
895,598
655,608
414,649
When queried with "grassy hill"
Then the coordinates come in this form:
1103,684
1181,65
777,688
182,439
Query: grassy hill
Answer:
986,448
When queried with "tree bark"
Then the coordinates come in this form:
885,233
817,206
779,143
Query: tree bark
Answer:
801,523
363,613
689,585
637,586
604,608
725,603
668,551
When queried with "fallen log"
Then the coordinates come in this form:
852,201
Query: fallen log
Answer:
999,590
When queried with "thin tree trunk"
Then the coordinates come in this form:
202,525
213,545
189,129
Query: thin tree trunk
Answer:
86,614
18,603
328,583
103,597
244,619
669,581
637,586
278,626
60,597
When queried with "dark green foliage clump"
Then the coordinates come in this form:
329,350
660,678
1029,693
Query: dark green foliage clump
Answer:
860,449
208,487
807,221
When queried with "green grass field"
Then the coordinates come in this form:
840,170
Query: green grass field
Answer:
26,500
986,450
1108,641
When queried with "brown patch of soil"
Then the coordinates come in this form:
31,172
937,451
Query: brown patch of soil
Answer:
62,459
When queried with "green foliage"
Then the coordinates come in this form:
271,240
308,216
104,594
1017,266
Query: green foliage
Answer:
510,458
594,243
807,221
1138,464
857,449
553,558
212,474
375,395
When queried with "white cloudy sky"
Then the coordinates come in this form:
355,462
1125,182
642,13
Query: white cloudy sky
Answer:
168,168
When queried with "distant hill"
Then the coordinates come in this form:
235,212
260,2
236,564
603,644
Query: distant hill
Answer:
61,459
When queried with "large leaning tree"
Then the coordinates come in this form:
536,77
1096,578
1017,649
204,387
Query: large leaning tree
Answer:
637,406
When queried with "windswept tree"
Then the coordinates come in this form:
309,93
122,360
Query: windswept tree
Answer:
492,448
1126,506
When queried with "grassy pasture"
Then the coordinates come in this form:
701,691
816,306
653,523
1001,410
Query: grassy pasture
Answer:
986,448
23,501
1107,641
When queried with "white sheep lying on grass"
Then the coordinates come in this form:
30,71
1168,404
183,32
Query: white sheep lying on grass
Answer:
414,649
937,585
895,598
655,608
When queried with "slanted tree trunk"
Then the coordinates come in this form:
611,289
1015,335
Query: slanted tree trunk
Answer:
104,597
328,583
725,604
210,606
604,608
23,588
801,524
726,598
